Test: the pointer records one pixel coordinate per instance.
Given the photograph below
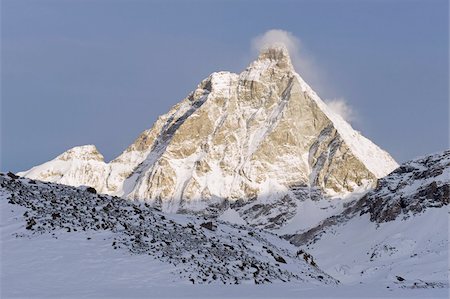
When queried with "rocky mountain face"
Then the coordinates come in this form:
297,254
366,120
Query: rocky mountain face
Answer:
258,142
192,248
411,189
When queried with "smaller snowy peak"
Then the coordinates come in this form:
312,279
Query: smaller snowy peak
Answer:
84,152
81,165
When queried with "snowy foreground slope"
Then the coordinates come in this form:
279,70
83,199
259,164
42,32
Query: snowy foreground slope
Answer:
49,218
63,241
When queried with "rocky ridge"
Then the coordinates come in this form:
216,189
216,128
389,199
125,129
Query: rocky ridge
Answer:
411,189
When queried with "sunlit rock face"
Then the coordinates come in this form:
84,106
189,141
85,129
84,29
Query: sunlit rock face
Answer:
262,137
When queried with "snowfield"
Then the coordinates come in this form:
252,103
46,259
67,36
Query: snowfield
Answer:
415,249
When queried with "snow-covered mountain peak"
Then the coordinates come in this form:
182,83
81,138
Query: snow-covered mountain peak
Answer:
84,152
80,165
262,138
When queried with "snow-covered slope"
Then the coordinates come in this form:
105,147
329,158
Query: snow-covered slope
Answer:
414,249
377,161
60,241
260,143
194,249
397,232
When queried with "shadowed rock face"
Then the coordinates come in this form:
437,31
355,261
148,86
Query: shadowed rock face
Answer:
413,187
410,189
249,137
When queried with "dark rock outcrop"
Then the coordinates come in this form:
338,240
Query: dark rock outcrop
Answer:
410,189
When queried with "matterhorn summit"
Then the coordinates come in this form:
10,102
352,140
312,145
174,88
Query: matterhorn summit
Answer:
258,142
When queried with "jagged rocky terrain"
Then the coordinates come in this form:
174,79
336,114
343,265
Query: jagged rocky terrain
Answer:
397,231
198,250
258,143
410,189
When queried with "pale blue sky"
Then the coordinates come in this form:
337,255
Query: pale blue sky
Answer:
100,72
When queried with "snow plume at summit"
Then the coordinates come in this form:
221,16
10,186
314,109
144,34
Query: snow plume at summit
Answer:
303,64
277,37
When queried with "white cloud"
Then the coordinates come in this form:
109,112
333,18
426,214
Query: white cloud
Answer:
305,66
274,37
341,107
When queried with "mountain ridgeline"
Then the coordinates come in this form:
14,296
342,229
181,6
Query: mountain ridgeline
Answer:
253,142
